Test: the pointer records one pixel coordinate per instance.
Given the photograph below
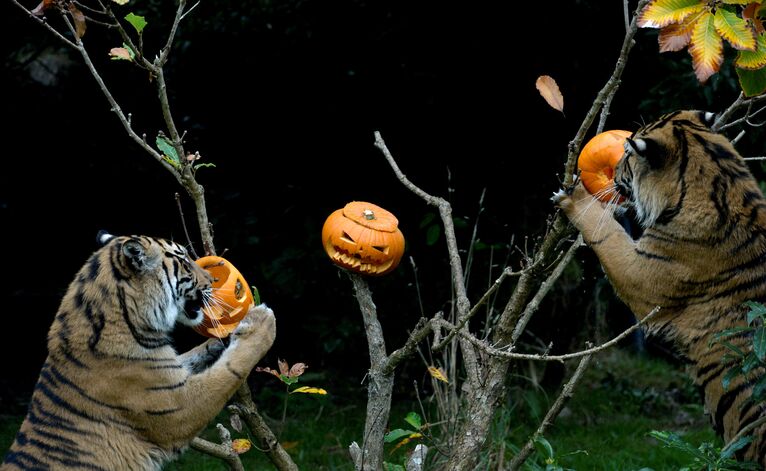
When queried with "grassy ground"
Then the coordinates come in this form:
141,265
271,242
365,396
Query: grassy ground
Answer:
622,397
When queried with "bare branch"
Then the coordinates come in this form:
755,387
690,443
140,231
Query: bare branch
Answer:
604,97
723,121
553,412
268,443
545,286
165,52
140,60
45,24
462,322
508,353
223,451
422,329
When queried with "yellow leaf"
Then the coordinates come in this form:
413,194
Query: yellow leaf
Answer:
406,441
240,445
677,36
308,390
735,30
660,13
120,2
549,89
706,48
289,445
437,373
753,60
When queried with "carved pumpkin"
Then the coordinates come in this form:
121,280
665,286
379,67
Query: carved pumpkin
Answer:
598,160
363,238
231,298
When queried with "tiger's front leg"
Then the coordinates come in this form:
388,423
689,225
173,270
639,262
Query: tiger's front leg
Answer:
628,269
188,407
202,356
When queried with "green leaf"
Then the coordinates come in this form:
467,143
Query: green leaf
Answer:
729,451
759,389
739,2
414,419
706,48
752,82
759,343
756,310
734,29
433,233
729,377
544,446
172,162
207,164
733,348
752,60
288,380
427,219
396,434
256,296
138,22
166,147
660,13
727,333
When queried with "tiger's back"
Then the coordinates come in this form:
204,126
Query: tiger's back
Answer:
113,393
701,255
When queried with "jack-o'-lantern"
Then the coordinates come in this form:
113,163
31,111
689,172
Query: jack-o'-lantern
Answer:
364,238
597,162
231,298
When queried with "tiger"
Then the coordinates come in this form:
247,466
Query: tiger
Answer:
700,256
113,394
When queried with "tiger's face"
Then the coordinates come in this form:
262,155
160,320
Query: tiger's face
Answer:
654,172
162,271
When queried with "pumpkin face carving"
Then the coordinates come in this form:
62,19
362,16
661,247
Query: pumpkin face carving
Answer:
364,238
598,160
231,300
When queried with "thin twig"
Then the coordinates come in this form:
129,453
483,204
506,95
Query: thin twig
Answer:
422,329
545,286
190,9
604,97
745,430
165,51
183,223
45,24
509,354
553,412
443,343
222,451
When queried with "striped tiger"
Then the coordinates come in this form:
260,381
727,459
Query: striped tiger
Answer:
701,255
113,394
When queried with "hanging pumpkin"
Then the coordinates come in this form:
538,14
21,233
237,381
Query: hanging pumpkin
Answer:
597,162
363,238
232,298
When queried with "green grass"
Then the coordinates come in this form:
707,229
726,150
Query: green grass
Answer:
621,398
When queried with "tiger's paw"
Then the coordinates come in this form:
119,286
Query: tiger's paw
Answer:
259,322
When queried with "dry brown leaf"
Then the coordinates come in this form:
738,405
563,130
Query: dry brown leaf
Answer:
297,370
120,53
549,90
79,20
241,445
284,368
236,422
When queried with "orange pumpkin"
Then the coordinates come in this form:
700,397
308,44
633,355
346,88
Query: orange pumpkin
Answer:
597,162
363,238
231,298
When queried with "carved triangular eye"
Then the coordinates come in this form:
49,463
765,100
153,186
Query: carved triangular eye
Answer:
381,248
347,238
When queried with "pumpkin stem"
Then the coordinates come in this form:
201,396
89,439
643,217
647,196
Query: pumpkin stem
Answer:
368,214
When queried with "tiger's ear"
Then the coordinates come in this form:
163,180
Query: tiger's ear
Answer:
649,150
135,253
103,238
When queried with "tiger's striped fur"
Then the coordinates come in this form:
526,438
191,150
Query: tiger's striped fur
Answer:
702,253
113,394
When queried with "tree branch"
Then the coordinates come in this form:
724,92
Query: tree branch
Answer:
553,412
223,451
44,24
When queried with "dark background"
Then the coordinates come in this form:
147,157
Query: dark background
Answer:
284,98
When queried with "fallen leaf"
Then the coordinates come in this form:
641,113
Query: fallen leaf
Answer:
437,373
309,390
241,445
79,20
549,90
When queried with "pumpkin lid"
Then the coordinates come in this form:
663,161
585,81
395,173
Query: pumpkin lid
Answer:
371,216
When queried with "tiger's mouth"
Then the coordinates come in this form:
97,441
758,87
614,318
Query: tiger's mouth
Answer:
193,310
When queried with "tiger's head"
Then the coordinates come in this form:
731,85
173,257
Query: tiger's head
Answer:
664,159
161,285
